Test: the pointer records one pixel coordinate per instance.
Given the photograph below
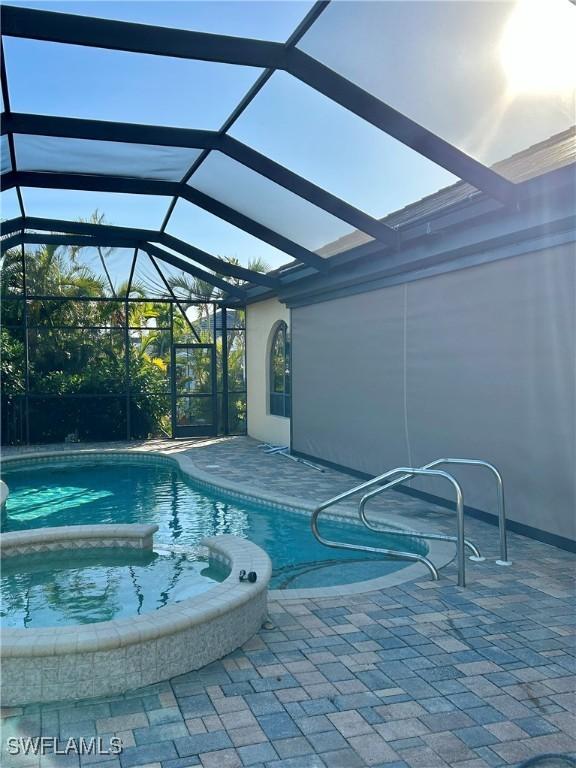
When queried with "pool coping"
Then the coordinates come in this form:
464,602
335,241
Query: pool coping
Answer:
4,493
103,658
76,537
440,552
235,553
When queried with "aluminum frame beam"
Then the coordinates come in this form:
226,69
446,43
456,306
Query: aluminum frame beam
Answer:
399,126
80,228
93,241
7,109
134,236
140,38
87,241
73,29
10,242
160,253
12,225
103,130
135,186
100,130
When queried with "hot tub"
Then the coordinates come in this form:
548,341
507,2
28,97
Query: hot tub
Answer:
84,660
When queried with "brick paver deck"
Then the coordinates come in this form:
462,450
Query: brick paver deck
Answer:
421,675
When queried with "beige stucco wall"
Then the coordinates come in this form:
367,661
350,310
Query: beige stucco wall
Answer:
261,318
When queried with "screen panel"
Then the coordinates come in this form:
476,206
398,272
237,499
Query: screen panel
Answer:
120,209
13,341
183,284
54,78
330,146
53,419
268,203
9,206
108,267
5,160
237,361
202,318
150,416
47,313
88,272
12,273
506,80
11,309
146,282
55,154
149,361
218,237
69,362
149,315
237,413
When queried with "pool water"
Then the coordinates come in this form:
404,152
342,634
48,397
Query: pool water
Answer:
105,584
122,492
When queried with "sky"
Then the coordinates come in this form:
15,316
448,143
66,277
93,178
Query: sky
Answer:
438,62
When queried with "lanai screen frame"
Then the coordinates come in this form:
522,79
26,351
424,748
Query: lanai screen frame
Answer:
163,248
18,405
271,57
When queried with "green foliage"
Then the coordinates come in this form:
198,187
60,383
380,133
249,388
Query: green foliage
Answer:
188,288
77,353
77,348
11,363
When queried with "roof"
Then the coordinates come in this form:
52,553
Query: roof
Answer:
555,152
232,174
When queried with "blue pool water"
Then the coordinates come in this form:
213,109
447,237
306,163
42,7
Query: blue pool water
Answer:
122,492
104,585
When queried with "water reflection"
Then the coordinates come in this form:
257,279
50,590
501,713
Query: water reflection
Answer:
56,589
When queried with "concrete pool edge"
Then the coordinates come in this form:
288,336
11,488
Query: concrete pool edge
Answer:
66,537
442,553
93,660
4,493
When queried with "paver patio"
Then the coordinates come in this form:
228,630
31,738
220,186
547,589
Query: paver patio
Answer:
420,675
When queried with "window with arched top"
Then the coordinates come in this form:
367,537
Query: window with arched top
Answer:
280,389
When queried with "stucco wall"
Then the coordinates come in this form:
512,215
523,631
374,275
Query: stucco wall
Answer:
261,319
476,363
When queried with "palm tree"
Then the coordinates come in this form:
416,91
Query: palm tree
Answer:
194,289
53,270
98,218
50,271
77,347
191,288
11,273
256,265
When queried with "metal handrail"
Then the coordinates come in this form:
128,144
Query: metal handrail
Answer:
413,534
411,471
472,462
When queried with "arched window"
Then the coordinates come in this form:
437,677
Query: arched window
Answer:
280,389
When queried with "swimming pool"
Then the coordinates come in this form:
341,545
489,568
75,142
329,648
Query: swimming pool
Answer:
115,489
